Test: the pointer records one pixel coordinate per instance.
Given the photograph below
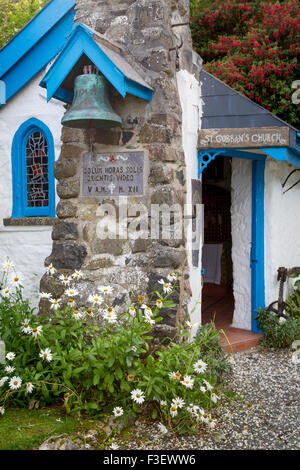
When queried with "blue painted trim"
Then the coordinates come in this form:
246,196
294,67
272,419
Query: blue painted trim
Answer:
204,159
19,182
136,89
38,57
33,32
81,42
257,257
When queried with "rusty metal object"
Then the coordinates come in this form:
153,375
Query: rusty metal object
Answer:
282,275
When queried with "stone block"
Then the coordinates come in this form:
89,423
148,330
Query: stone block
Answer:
151,133
108,136
98,263
65,231
67,255
64,168
66,209
168,258
110,246
165,153
68,188
160,174
73,151
164,195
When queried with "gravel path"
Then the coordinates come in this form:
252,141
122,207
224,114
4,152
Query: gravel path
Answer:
267,417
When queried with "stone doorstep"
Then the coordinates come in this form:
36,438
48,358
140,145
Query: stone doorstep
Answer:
240,340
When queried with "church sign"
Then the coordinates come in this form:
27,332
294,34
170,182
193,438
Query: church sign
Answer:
113,174
244,138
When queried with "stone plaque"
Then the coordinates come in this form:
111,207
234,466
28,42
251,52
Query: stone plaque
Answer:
113,174
244,138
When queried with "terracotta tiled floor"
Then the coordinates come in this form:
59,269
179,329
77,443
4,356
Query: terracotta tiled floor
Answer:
220,310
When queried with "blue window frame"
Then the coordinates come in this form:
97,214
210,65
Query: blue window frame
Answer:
32,171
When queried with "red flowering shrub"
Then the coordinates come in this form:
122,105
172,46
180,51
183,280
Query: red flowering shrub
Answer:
252,46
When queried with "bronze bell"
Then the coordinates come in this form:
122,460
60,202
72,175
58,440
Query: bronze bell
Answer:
91,107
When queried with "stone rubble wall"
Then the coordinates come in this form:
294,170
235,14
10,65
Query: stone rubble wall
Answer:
142,28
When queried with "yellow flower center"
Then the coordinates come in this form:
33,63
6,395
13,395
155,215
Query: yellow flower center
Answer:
45,355
76,312
15,382
166,285
173,408
138,395
141,298
205,416
109,309
16,279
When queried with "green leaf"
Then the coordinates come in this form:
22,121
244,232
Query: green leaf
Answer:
154,413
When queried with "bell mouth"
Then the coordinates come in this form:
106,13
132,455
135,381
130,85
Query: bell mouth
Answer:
91,107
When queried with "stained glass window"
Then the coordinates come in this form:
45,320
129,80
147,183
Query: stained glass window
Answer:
37,170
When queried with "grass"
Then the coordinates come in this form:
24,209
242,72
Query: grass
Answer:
22,429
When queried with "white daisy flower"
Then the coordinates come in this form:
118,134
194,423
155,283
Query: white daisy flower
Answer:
179,402
203,389
204,417
173,375
45,295
190,408
77,275
72,292
5,292
163,403
138,396
159,303
26,327
114,446
54,303
133,348
208,385
65,279
77,314
188,382
10,356
29,387
71,302
172,277
8,265
147,311
15,383
2,410
191,324
46,354
95,299
50,270
282,320
16,280
118,411
105,289
9,369
36,331
214,397
162,428
132,311
211,423
200,367
109,315
3,380
166,286
228,414
173,411
149,320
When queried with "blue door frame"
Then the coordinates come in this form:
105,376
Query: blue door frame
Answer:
257,255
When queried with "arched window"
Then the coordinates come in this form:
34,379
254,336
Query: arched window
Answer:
32,169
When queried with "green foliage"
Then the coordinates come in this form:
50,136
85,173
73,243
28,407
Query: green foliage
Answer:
252,46
294,299
94,363
278,332
14,15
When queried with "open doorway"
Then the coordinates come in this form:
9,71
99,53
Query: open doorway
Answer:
217,295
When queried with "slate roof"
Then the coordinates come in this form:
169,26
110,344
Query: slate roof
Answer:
223,107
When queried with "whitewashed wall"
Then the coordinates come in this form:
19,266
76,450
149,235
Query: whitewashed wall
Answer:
189,93
282,224
241,216
27,247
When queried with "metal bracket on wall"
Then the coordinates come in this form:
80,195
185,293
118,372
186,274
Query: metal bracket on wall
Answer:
204,159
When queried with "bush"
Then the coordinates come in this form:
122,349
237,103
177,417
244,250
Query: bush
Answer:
112,367
278,331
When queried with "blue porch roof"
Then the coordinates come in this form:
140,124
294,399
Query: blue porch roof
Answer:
35,45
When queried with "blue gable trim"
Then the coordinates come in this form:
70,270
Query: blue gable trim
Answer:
19,182
81,42
36,45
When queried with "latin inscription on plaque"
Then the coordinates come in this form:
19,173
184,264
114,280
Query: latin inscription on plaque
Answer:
113,174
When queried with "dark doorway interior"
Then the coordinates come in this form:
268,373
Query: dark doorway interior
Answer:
217,298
